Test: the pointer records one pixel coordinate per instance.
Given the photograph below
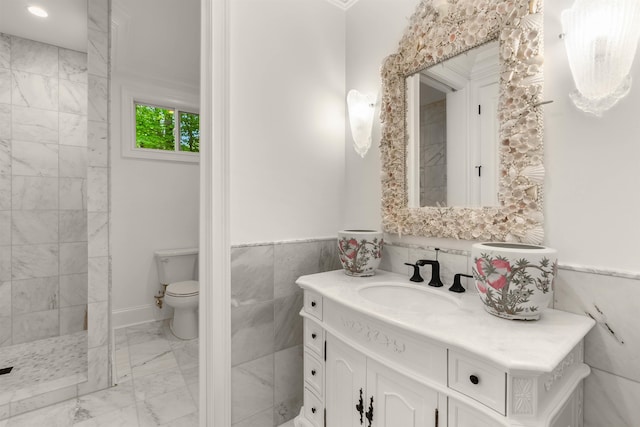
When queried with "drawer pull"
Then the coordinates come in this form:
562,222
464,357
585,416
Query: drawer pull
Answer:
313,336
313,303
474,379
313,410
313,372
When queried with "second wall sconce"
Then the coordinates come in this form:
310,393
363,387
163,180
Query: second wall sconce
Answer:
361,108
601,38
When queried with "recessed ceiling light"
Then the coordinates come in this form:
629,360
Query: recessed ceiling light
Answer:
38,11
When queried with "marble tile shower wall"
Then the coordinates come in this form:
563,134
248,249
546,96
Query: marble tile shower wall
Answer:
266,329
612,348
43,171
97,199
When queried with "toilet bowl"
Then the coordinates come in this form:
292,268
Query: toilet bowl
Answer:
183,297
177,268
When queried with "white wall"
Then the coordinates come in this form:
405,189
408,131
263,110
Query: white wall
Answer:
287,119
374,28
154,203
591,203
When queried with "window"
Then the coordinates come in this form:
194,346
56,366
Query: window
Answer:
160,128
160,122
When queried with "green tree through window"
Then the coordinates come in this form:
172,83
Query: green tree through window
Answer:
189,132
155,129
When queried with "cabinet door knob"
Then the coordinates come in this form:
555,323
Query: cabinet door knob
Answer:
313,303
314,336
313,372
313,410
474,379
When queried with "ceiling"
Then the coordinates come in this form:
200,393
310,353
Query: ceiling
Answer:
66,25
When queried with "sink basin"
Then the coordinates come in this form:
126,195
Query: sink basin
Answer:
409,298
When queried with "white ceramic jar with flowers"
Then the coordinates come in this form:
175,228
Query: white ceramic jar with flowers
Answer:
514,281
360,251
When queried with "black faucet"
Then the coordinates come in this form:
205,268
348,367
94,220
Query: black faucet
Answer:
435,271
416,272
457,286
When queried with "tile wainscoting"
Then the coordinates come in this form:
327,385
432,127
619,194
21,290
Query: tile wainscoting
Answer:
266,329
612,348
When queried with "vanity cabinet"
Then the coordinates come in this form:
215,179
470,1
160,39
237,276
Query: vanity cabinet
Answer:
374,366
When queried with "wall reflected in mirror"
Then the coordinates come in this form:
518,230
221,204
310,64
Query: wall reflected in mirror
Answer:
453,129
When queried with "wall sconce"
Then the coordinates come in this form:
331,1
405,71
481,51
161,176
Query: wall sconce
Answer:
601,38
361,108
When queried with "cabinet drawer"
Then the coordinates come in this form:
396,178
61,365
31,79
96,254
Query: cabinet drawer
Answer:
313,337
478,380
313,304
314,373
313,408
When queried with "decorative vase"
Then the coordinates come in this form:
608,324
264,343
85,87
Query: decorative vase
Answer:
360,251
514,281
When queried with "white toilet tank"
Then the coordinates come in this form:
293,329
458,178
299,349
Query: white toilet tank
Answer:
176,265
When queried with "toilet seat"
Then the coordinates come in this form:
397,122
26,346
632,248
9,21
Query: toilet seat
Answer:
188,288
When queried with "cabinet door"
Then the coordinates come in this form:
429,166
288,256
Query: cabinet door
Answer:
398,400
345,381
569,415
461,415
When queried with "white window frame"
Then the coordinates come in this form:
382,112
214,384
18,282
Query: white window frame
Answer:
158,96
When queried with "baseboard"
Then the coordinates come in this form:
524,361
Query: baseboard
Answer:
140,314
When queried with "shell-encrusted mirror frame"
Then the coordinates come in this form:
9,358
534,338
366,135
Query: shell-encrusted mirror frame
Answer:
438,30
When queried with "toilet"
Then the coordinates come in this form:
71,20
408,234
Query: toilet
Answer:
178,269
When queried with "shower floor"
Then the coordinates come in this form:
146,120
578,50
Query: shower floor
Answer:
42,366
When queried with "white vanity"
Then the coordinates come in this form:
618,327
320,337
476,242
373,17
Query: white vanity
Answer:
383,352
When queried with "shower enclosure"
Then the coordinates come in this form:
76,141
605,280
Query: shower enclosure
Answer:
54,269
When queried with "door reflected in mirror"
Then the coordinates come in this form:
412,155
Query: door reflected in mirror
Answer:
453,129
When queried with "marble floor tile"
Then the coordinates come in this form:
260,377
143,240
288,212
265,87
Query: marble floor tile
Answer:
105,401
262,419
58,415
190,420
158,394
167,407
139,334
191,374
149,351
159,383
125,417
186,353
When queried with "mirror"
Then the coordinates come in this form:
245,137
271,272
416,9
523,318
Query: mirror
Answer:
440,30
452,126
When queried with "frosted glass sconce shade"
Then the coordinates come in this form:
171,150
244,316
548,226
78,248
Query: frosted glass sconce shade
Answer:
361,108
601,38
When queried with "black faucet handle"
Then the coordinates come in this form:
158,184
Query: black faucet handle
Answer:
416,272
457,286
435,271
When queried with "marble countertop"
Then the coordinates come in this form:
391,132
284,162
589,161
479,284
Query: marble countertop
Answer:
514,344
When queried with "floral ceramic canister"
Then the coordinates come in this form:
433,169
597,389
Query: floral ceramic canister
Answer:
514,281
360,251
